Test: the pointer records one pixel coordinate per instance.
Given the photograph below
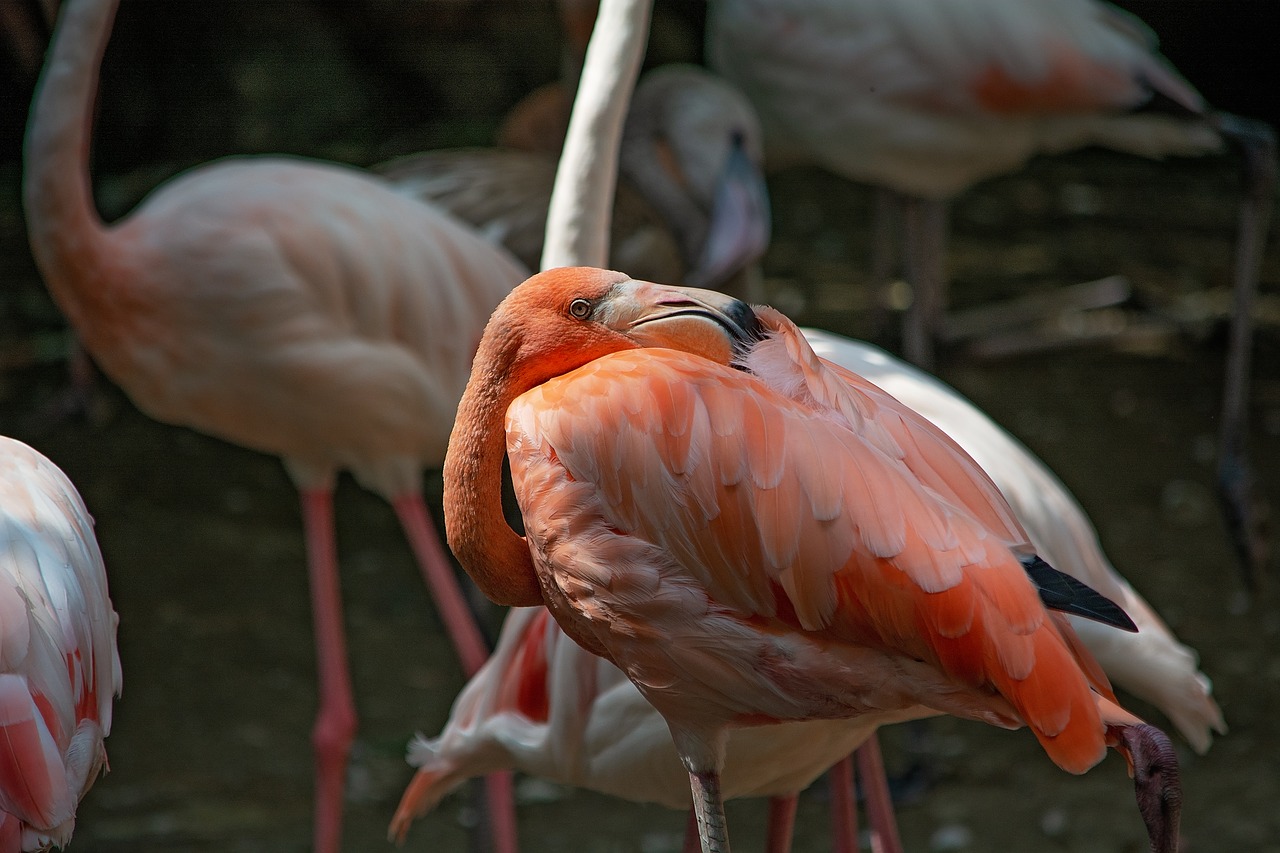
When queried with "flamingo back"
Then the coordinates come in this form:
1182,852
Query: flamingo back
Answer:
799,509
929,97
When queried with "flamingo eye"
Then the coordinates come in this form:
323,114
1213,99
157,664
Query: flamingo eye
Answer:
580,309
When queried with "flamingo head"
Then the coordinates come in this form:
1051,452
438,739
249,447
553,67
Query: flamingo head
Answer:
564,318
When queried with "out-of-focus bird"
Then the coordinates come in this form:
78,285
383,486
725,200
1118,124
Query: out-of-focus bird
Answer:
691,203
926,98
755,536
548,708
59,668
293,307
544,705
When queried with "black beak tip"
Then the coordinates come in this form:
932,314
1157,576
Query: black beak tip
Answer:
749,331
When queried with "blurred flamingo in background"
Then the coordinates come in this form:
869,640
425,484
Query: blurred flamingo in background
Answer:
290,306
59,667
926,98
544,705
691,201
548,708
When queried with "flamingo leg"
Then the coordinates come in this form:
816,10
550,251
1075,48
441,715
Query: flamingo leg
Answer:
708,806
925,230
844,807
782,823
884,825
691,842
884,258
1244,507
335,724
437,571
472,649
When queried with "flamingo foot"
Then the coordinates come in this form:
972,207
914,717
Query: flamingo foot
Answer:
1156,784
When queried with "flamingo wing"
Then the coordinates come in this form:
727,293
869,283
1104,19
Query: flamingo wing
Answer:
829,508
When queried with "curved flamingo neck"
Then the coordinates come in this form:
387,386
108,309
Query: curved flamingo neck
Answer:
494,555
582,200
64,226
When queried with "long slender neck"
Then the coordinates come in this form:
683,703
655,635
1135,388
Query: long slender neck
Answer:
496,557
582,200
64,227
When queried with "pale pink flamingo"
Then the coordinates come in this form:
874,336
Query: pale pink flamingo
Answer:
756,536
691,202
294,307
545,706
925,98
59,668
548,708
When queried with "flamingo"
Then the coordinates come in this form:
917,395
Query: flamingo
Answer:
926,98
59,666
754,535
545,706
691,204
294,307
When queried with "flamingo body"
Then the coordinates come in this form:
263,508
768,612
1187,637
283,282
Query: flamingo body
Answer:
698,455
244,297
59,667
545,706
929,98
756,536
293,307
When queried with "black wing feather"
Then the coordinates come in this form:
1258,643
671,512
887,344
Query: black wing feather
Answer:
1059,591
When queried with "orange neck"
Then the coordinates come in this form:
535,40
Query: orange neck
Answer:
496,557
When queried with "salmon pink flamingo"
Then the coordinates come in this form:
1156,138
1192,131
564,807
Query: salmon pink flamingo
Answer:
290,306
755,536
545,706
59,668
925,98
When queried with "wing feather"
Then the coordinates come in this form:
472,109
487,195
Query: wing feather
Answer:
886,536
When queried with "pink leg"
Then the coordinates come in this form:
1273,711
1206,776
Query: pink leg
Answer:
844,807
336,719
692,844
884,825
467,640
443,583
926,260
782,823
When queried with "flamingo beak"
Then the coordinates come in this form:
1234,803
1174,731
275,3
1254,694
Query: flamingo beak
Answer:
740,226
703,322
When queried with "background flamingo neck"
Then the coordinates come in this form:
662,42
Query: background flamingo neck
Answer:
582,200
63,224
